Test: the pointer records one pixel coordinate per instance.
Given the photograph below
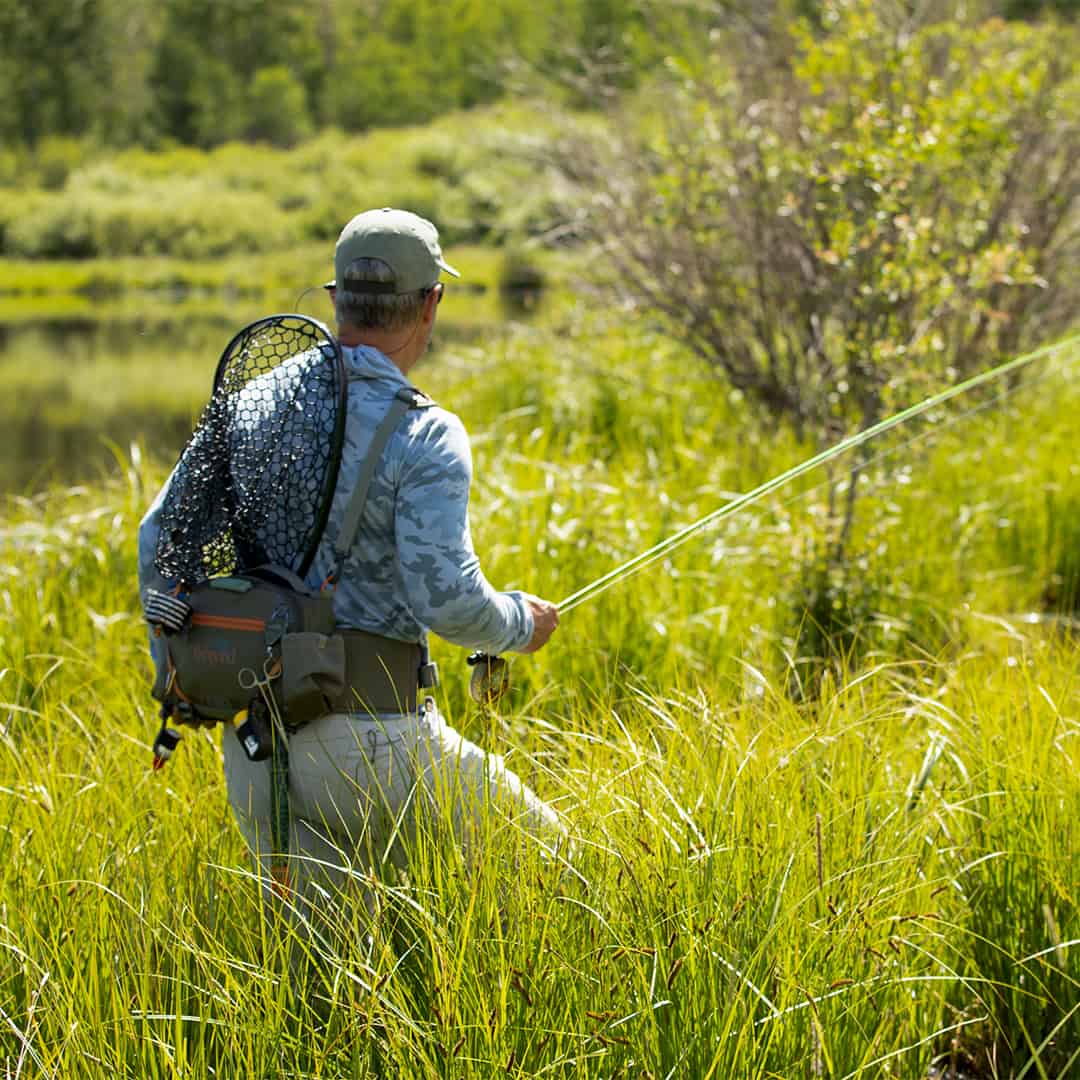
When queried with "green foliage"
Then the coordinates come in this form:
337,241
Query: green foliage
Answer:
1058,525
53,161
376,85
1029,9
918,146
835,611
206,77
1062,593
51,65
238,197
83,224
440,160
521,281
760,888
278,107
1019,899
844,221
132,71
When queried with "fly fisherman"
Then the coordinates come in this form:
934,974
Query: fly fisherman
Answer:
354,772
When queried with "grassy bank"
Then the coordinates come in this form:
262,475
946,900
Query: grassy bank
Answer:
480,175
879,879
109,288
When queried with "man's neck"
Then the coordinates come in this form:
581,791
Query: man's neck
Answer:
395,347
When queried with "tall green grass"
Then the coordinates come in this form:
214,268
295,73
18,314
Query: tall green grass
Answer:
869,882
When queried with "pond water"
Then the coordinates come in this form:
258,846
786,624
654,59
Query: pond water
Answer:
78,387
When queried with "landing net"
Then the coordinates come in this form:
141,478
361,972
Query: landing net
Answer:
255,481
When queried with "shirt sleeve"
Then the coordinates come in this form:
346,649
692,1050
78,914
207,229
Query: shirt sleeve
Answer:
444,584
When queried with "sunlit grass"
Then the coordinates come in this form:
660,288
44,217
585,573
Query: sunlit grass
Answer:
166,290
876,879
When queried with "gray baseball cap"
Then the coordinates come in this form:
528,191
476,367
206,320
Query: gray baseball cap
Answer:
406,242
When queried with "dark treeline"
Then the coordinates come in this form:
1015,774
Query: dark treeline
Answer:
202,72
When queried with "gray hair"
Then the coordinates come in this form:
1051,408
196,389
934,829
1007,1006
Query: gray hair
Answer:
375,311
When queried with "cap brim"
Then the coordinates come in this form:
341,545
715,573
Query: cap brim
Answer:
442,264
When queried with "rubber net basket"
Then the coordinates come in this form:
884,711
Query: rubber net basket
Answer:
255,481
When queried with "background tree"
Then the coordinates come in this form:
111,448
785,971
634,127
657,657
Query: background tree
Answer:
124,71
838,218
278,107
52,58
209,54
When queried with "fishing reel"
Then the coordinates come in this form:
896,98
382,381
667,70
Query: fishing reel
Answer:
490,679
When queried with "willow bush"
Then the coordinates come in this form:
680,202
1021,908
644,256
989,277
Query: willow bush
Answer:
840,216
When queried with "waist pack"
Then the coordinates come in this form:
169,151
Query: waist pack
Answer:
234,642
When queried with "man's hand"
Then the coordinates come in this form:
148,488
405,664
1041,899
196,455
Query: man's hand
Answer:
545,619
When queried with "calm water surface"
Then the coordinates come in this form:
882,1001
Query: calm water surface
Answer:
77,390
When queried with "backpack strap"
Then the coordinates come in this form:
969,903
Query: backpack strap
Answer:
405,399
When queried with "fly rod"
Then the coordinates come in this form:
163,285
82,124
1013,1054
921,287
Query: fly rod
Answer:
491,677
860,438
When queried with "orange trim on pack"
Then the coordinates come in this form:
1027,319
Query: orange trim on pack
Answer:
228,622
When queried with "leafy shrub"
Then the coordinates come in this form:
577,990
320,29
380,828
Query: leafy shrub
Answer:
446,207
476,190
439,159
521,281
56,157
105,177
52,227
519,271
183,222
278,107
320,154
174,162
840,219
12,205
12,167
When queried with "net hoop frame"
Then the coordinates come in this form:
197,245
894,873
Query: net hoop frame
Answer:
319,337
235,348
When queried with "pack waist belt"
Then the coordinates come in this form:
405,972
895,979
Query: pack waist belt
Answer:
381,674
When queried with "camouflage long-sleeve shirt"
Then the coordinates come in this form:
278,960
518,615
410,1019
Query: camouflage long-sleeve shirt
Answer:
412,567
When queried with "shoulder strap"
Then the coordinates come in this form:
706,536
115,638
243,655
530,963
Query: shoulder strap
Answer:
405,399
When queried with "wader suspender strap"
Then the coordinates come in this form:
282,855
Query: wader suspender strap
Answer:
404,400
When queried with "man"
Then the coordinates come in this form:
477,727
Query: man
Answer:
355,773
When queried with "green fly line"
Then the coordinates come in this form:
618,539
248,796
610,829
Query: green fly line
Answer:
860,438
